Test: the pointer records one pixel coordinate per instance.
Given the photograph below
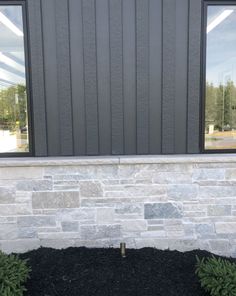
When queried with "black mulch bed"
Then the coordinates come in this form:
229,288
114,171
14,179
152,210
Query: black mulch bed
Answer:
103,272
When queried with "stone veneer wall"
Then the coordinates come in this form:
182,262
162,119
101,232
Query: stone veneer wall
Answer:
183,202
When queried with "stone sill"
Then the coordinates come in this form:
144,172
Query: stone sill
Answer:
110,160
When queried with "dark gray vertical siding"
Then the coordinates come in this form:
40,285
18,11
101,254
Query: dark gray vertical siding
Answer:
194,76
142,13
63,77
129,76
77,76
115,76
155,76
37,77
169,66
116,68
50,74
103,74
90,74
181,76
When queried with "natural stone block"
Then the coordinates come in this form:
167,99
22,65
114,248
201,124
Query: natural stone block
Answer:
27,232
15,209
219,210
88,214
105,216
160,244
7,195
182,192
70,226
162,211
36,221
20,173
183,245
134,225
217,191
225,227
208,174
172,178
230,174
59,235
136,190
90,189
205,230
100,232
19,245
54,200
219,245
34,185
128,208
8,231
57,243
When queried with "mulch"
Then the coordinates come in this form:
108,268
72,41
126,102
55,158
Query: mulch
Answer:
103,272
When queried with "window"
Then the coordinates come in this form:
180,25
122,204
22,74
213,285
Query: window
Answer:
220,77
14,122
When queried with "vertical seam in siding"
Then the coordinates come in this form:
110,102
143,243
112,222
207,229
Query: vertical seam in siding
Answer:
98,129
187,102
162,55
109,32
85,106
71,96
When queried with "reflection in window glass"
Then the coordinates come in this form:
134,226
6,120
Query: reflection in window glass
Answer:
13,96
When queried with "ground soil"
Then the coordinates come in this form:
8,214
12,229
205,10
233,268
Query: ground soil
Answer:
103,272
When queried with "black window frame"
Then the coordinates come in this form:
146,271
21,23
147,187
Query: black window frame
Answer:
23,4
205,5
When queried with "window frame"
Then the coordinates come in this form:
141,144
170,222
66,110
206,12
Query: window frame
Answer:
205,5
23,4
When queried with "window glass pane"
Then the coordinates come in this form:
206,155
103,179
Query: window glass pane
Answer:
13,95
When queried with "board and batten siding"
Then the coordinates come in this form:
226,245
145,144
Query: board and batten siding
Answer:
115,77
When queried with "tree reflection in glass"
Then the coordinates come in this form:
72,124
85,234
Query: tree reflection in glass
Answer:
13,94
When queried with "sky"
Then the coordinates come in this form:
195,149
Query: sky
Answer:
11,48
221,47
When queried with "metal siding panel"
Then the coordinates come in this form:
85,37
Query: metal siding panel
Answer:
37,77
116,68
142,23
169,55
181,76
51,86
63,77
103,72
77,76
194,76
129,64
90,74
155,61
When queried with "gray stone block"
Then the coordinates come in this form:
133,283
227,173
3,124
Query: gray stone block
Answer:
55,200
205,230
182,192
34,185
7,195
105,216
208,174
133,225
36,221
92,232
128,208
70,226
162,211
219,210
90,189
8,231
27,232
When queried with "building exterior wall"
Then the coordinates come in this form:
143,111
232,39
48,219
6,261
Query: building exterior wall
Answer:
115,77
178,202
